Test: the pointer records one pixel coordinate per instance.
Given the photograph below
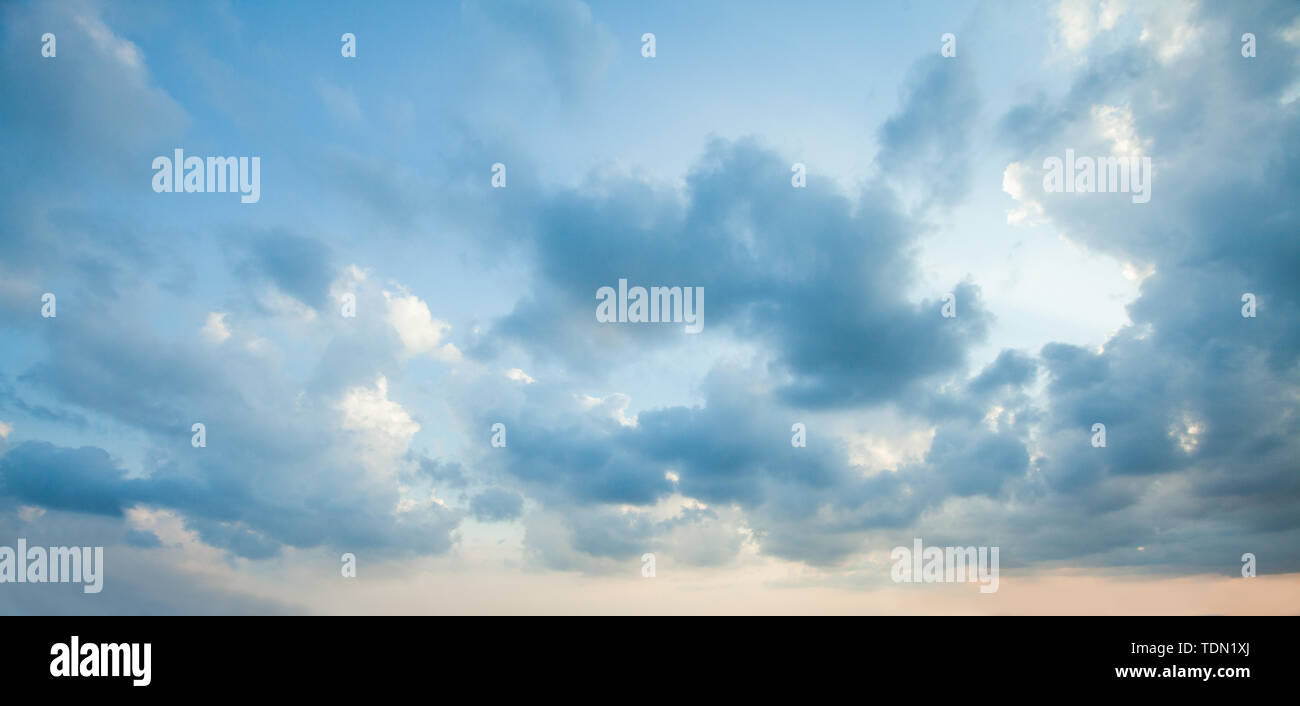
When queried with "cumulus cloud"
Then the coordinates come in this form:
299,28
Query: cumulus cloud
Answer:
519,375
845,280
215,329
368,409
1019,182
1191,383
421,334
1079,21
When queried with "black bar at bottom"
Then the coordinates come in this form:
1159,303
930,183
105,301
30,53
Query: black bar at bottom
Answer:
656,657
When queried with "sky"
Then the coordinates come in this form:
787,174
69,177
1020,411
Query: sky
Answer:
350,340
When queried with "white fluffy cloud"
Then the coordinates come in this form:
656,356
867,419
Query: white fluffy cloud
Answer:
1115,124
421,334
1017,180
215,330
1080,21
385,425
519,375
613,406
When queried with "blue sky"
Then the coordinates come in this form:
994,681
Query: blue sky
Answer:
370,434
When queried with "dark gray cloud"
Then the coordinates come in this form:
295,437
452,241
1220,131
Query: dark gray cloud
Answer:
789,268
810,504
1011,368
137,578
277,469
1193,395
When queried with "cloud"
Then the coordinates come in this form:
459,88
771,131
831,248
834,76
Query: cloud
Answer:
421,334
215,330
520,376
142,574
369,410
84,480
449,473
97,73
1079,21
1019,182
844,279
1193,395
926,144
734,456
275,471
329,433
299,266
496,505
561,38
